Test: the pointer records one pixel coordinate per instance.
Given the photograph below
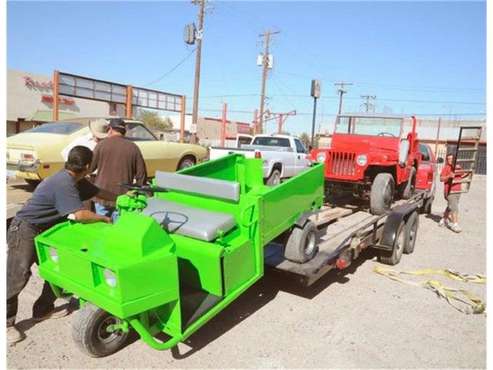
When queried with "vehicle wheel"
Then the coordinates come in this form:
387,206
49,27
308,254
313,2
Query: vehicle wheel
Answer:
32,183
412,224
428,203
410,188
394,257
382,193
274,178
186,162
90,334
302,243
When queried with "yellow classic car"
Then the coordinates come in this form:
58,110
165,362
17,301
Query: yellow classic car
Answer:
37,153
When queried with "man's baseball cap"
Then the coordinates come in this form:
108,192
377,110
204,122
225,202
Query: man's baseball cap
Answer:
117,123
99,128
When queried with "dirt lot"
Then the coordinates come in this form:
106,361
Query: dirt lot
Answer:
352,319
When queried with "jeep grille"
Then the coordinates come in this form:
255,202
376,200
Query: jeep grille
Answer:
343,163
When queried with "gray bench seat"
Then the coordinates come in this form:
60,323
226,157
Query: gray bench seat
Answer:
185,220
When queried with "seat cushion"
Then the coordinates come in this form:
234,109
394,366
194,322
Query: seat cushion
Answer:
222,189
184,220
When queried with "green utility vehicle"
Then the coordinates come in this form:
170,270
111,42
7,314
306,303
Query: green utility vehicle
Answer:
180,252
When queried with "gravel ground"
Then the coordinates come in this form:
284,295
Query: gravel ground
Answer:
356,319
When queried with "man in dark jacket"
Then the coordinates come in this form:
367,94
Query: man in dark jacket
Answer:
57,198
117,160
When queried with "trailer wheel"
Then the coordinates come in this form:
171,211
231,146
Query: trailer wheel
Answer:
274,178
411,232
400,241
382,193
302,243
410,188
90,334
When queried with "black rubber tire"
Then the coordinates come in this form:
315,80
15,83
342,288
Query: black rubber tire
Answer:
274,178
381,193
410,187
394,257
32,183
185,162
412,225
302,243
88,331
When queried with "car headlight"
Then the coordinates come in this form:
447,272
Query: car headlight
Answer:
321,157
109,277
53,254
362,160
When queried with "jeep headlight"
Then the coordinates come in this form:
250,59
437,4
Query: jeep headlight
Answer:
321,157
109,277
52,252
362,160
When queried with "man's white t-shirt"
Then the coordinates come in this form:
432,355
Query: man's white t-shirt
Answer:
87,140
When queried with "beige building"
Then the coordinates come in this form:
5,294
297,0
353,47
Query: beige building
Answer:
30,102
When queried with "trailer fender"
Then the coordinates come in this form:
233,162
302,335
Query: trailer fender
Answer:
394,219
303,219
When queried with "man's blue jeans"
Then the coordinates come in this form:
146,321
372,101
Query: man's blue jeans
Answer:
103,210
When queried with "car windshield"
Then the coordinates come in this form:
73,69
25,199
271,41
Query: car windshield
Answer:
271,141
61,128
381,126
137,132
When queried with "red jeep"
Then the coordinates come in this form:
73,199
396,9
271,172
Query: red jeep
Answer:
370,157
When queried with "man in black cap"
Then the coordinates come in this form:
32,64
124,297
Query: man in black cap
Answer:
58,198
117,160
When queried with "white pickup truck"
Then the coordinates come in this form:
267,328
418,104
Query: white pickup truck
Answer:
283,155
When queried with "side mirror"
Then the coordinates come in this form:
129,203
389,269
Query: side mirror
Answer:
440,160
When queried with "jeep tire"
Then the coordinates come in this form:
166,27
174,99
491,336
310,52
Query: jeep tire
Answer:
382,193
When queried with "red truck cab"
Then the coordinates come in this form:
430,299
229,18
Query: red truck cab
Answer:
373,156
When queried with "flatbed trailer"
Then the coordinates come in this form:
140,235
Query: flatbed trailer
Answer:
344,231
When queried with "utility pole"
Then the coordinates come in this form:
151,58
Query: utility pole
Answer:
367,103
200,33
265,69
341,92
281,119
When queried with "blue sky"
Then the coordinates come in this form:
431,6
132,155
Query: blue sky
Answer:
416,57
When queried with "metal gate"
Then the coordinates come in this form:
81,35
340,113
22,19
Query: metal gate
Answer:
480,166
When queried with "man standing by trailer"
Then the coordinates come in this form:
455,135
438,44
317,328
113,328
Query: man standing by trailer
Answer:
452,194
117,160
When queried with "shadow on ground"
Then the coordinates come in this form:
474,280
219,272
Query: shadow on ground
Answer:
258,296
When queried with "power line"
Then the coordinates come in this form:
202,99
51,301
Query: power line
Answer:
172,69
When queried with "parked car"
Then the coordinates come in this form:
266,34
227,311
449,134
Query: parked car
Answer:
426,177
36,153
371,157
283,155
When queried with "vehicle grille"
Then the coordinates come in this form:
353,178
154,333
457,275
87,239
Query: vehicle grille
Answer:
343,163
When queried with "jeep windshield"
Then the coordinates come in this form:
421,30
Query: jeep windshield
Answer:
374,126
61,128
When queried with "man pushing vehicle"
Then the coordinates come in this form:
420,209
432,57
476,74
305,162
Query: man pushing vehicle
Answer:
57,198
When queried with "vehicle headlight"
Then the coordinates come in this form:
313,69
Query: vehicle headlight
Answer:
53,254
321,157
362,160
109,277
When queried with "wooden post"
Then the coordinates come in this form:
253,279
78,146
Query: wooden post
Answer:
128,102
224,123
438,135
182,118
56,80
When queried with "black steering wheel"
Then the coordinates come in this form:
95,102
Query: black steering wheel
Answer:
386,134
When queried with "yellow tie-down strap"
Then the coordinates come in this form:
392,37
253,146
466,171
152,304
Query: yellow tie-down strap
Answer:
461,299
